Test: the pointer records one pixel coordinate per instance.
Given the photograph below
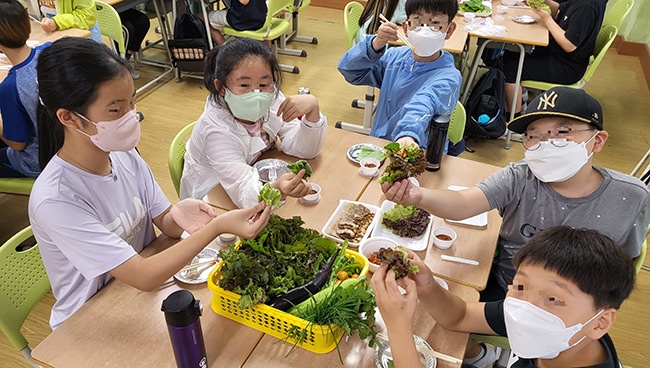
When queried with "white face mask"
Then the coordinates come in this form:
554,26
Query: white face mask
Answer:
552,164
536,333
426,41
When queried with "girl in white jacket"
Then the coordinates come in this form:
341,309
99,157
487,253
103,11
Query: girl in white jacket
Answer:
244,116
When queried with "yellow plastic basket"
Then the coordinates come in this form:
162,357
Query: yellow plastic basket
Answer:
319,339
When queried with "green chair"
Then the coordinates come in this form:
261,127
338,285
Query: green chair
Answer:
110,25
272,29
351,15
456,124
638,261
605,38
616,14
16,185
176,157
24,282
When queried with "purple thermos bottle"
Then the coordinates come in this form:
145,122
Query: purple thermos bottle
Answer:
182,314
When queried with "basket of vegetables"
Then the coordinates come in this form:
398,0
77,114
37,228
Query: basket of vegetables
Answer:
292,283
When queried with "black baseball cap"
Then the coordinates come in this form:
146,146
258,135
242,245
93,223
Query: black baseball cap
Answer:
563,102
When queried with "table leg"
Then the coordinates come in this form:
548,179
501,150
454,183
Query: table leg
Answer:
472,72
522,54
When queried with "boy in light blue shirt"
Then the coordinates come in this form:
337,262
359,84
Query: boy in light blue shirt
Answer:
416,85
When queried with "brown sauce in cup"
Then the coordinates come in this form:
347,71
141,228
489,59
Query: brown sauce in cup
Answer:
443,237
369,165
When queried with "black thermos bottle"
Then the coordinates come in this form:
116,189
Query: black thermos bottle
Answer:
436,143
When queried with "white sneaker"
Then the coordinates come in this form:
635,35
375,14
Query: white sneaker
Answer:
488,357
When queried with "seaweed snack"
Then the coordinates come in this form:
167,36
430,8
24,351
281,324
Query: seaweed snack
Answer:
541,4
299,165
397,260
406,221
269,195
405,161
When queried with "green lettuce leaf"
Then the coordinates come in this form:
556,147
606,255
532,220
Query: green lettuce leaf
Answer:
270,195
299,165
400,212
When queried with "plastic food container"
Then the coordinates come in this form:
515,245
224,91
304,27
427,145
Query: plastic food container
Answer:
320,339
443,237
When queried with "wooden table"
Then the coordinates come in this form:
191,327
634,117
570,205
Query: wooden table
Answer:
271,352
120,326
522,36
472,243
37,34
123,327
338,177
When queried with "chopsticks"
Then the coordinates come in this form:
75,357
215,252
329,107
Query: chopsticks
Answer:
426,351
399,35
199,264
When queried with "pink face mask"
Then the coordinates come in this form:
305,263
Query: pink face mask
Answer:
121,134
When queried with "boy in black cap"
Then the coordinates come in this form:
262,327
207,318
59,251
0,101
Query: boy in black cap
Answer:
555,184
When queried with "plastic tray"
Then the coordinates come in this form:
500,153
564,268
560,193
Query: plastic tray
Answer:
320,339
415,244
327,230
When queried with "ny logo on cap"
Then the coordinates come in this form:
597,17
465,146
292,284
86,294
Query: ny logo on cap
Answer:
548,99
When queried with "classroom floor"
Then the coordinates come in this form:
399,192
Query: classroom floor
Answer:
618,84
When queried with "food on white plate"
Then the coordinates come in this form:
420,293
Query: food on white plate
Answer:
353,223
406,221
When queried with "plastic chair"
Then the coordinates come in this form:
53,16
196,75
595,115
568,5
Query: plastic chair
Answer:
645,174
295,9
176,157
110,25
638,261
16,185
616,14
24,282
605,38
351,15
456,124
272,29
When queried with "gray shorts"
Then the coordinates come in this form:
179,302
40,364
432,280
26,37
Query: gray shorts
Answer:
218,19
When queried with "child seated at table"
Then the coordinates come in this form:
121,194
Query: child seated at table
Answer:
416,85
94,205
573,28
135,25
555,184
64,14
18,94
563,301
244,116
241,15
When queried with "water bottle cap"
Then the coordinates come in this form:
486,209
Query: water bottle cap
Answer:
483,119
181,309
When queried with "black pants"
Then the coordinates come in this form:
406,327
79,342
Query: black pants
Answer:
493,291
541,65
136,25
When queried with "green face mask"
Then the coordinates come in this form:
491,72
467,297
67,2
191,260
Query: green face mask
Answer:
249,106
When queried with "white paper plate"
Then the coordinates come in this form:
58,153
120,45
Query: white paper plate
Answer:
271,169
381,360
415,244
480,220
328,229
191,276
485,4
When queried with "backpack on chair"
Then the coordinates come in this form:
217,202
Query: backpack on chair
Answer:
487,98
190,44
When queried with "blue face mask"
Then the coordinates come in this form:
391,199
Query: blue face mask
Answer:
249,106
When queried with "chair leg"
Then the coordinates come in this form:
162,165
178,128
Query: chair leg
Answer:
27,353
285,68
295,36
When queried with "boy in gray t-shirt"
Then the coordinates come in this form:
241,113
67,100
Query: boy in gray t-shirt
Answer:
556,184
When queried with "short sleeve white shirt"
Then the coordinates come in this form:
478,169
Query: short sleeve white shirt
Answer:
87,224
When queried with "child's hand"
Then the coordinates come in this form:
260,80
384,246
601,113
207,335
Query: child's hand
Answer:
406,141
246,222
48,25
544,16
292,184
397,310
386,32
298,105
424,277
192,214
402,192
